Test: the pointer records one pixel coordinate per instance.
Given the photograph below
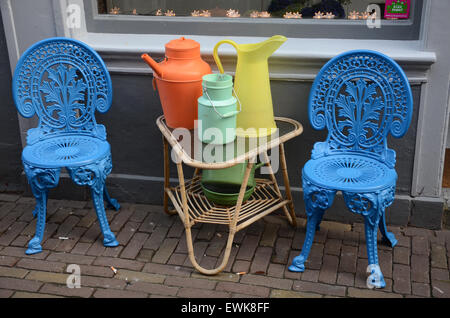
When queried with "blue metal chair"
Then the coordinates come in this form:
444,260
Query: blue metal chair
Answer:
63,82
360,97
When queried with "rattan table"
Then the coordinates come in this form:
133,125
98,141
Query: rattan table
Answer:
193,207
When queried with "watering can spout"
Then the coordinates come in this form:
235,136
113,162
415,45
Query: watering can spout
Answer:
152,63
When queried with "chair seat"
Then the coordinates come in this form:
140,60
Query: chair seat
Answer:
65,151
349,173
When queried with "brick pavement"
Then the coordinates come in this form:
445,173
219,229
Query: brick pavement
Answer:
152,260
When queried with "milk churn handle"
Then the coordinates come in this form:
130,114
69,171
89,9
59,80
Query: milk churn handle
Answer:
226,115
216,56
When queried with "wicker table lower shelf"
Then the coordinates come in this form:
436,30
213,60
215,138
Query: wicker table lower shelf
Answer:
263,201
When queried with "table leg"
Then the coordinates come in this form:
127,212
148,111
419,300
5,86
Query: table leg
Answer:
166,177
292,220
232,226
287,185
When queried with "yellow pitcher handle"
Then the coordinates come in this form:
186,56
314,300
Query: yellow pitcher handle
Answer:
216,56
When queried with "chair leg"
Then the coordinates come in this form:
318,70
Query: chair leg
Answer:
317,200
372,207
40,180
111,203
94,175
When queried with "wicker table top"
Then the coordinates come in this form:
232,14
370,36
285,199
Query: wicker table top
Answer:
191,150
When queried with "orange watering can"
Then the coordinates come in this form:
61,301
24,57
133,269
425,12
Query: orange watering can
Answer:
178,79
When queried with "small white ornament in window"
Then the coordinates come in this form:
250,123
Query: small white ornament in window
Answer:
195,13
169,13
354,15
205,13
364,15
159,12
264,14
233,13
329,15
115,10
134,12
254,14
318,15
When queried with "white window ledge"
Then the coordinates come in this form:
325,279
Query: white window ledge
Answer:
296,59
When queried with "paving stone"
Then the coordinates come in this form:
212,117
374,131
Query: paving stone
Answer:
113,293
187,292
420,289
441,288
402,279
156,238
247,248
333,247
348,259
102,282
120,219
19,284
276,270
401,255
190,282
278,293
281,251
13,272
134,246
8,260
270,282
346,279
241,266
33,295
269,235
48,277
351,238
5,293
166,249
6,197
420,245
249,290
319,288
261,260
438,256
112,251
164,269
314,260
127,232
118,263
83,292
20,252
385,261
420,269
70,258
157,289
81,248
310,275
41,265
328,272
176,230
135,276
12,232
439,274
74,235
217,244
370,293
66,227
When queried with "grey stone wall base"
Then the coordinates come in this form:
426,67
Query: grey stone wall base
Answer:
421,212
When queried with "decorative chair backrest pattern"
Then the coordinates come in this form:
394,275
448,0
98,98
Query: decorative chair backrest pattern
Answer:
360,96
63,81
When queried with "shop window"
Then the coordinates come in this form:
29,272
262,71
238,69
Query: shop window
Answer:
359,19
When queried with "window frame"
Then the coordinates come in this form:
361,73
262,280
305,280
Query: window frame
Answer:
408,29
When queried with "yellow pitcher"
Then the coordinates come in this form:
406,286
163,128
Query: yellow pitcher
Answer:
252,85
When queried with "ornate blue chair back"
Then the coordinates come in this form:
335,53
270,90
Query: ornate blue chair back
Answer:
360,97
63,82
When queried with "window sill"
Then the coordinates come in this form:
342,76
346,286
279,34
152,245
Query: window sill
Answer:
296,59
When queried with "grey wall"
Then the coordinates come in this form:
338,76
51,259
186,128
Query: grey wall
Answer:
10,148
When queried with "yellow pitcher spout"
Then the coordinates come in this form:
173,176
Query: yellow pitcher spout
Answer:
252,85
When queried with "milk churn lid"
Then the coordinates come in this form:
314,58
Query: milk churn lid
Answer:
182,48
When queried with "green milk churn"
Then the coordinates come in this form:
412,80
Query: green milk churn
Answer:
217,110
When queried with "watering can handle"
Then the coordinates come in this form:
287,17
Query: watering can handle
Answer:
226,115
216,56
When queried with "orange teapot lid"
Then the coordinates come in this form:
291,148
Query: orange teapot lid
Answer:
182,48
